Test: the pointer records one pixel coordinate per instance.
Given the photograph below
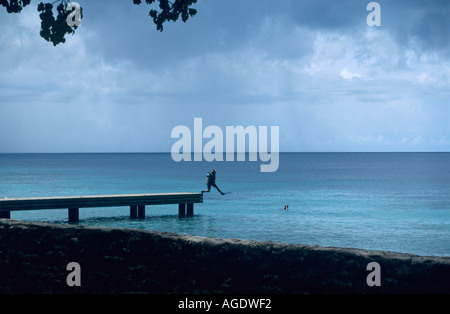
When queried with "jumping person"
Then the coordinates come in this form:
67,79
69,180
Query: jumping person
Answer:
211,181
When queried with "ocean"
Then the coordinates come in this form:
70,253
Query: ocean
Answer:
382,201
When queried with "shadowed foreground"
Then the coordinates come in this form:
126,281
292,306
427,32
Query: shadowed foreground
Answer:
34,257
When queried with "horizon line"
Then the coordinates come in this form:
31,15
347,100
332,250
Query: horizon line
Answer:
281,152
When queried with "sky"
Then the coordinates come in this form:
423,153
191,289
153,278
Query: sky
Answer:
315,68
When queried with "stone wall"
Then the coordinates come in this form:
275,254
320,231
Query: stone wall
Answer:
34,257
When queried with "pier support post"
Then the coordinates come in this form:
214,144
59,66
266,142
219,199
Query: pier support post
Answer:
133,211
141,211
181,210
190,209
74,214
6,214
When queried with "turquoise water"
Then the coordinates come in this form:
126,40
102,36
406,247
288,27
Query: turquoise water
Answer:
385,201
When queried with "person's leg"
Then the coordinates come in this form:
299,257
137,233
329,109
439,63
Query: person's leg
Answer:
207,191
214,185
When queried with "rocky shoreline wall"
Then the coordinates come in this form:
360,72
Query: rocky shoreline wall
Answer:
34,259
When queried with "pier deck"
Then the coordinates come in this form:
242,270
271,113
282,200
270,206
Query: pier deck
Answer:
137,203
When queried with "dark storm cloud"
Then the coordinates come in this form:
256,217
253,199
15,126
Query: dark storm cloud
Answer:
125,31
425,22
314,67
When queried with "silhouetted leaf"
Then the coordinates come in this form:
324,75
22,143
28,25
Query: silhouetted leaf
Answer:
14,6
170,11
54,29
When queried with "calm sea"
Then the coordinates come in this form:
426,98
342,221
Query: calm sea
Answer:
385,201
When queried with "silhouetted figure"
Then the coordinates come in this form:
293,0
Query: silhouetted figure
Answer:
211,181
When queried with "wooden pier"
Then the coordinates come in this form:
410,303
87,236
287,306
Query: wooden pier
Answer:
136,202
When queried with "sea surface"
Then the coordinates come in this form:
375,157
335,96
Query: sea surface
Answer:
383,201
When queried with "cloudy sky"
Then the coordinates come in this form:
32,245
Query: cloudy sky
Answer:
312,67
